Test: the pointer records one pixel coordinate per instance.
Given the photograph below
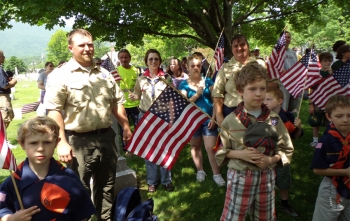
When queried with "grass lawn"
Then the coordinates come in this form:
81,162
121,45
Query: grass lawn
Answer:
192,200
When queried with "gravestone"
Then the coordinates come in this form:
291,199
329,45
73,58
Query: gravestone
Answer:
125,176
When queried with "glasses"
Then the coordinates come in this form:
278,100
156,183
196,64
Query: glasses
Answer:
153,59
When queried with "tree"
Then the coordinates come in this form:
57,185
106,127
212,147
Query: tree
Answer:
125,21
58,47
179,47
13,62
331,25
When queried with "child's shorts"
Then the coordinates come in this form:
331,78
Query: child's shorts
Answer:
326,207
204,131
283,177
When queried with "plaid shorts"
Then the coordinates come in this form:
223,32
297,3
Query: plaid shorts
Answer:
251,191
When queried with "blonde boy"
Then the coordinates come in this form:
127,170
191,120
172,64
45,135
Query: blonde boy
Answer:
49,191
251,177
331,159
274,100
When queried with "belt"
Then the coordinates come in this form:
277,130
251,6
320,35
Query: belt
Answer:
93,132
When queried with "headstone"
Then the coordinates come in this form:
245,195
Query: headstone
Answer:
18,113
125,176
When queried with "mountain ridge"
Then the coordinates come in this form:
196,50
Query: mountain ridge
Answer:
24,40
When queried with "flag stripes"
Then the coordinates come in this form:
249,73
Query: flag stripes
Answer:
160,142
7,159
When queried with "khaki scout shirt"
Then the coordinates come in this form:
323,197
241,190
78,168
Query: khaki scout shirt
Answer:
224,86
232,124
143,90
86,97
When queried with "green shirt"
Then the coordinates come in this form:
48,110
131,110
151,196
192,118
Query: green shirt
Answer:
129,77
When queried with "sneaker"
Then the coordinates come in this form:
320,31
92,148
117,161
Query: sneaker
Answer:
201,176
169,187
288,209
313,144
219,180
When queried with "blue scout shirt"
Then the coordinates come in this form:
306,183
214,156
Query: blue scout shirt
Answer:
60,196
326,154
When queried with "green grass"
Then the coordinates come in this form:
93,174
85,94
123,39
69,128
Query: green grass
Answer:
26,92
192,200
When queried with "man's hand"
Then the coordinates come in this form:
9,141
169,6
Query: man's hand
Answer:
64,152
126,134
22,215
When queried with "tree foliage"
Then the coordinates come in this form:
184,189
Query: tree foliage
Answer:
13,62
331,24
125,21
58,47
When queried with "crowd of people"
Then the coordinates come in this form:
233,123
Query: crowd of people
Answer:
252,112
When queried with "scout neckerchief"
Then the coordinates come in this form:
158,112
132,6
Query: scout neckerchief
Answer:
289,125
153,81
343,157
242,115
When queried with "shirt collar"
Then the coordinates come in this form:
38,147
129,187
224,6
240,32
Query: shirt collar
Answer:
160,73
74,65
28,176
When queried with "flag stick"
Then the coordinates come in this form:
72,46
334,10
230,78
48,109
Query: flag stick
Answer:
16,190
217,43
302,94
179,92
347,181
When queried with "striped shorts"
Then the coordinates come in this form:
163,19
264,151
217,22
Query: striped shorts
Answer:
250,191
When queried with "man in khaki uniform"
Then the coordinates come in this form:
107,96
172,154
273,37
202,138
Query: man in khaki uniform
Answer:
80,97
225,96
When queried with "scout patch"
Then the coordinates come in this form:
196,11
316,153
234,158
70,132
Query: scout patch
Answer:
274,121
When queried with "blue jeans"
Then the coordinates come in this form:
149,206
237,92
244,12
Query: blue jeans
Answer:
152,170
152,174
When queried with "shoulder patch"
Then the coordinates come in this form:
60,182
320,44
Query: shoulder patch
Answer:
274,121
2,196
318,146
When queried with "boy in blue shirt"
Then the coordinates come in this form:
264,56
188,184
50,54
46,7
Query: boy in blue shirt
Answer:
331,159
48,190
274,100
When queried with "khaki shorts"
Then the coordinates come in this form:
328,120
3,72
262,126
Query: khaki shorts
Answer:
6,108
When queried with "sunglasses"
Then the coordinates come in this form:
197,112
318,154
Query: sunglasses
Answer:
153,59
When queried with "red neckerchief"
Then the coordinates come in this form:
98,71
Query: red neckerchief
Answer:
343,156
266,142
242,115
160,73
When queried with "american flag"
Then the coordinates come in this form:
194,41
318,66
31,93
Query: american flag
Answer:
337,83
109,66
219,54
7,159
166,128
27,108
276,60
313,74
294,78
